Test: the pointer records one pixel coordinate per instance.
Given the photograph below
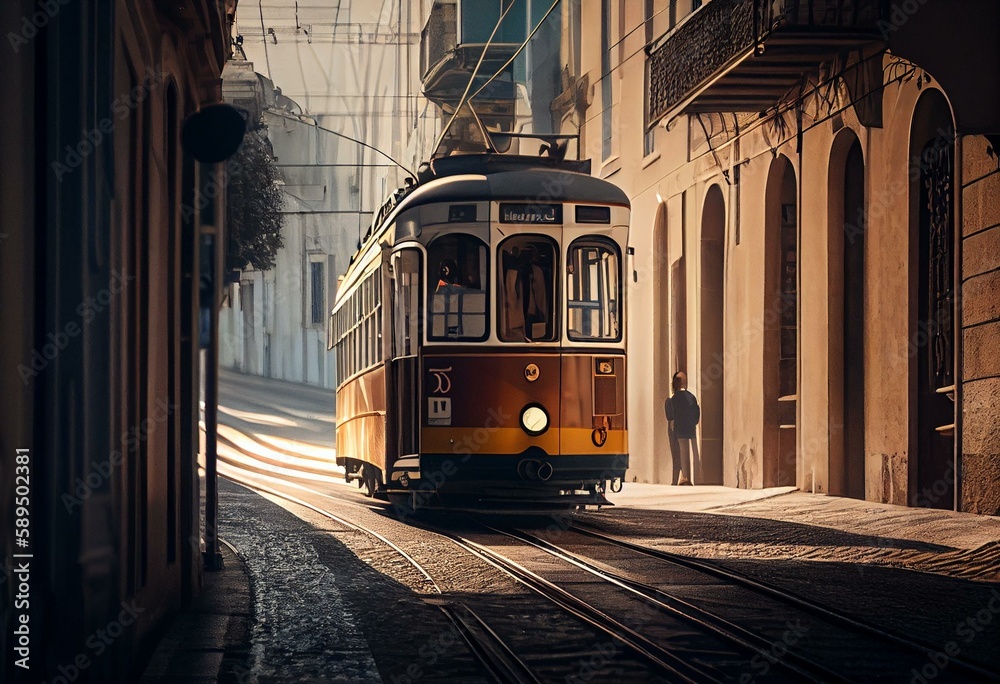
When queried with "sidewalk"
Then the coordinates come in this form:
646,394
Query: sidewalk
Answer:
945,542
209,642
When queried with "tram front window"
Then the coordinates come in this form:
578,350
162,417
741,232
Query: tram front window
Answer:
594,297
457,288
527,295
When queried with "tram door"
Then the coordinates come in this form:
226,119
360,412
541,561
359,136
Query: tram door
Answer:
402,330
594,381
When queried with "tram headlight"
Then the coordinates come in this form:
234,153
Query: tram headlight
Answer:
534,419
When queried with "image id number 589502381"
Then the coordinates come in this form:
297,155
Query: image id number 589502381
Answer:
22,559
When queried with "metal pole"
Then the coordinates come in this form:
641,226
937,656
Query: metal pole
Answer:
213,559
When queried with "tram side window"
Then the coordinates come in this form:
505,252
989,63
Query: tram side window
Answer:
406,273
458,295
356,329
593,281
366,324
527,291
364,328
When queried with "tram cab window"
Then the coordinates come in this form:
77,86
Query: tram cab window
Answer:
527,292
458,272
593,282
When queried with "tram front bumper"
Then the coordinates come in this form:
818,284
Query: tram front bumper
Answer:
530,470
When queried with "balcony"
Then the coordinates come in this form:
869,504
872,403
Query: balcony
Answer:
745,55
449,54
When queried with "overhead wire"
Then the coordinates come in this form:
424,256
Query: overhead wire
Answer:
297,119
472,78
782,109
642,24
518,51
645,46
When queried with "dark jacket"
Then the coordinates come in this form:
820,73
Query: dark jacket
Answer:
682,408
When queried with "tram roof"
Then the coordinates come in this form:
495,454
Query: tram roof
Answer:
489,177
492,177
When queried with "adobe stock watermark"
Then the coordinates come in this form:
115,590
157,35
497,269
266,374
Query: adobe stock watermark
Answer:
932,494
31,24
430,652
899,15
97,643
762,663
463,452
600,656
101,471
121,107
885,200
968,630
56,342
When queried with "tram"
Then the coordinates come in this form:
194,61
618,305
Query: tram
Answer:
480,338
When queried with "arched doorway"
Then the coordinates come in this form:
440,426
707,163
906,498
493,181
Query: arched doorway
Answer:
712,300
932,189
847,317
665,469
781,321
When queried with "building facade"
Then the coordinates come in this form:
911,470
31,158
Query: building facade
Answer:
109,228
814,218
329,76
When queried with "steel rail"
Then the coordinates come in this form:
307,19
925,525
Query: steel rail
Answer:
678,607
662,658
495,656
343,521
789,597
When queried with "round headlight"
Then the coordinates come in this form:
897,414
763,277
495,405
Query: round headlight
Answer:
534,419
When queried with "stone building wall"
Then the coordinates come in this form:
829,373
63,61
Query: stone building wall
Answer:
980,275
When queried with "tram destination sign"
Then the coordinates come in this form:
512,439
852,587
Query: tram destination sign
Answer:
530,213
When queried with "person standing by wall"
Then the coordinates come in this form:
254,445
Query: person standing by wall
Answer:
683,414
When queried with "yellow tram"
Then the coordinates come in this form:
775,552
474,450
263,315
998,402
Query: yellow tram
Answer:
480,338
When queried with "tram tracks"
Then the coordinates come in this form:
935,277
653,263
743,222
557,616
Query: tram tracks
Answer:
722,649
497,659
751,643
494,653
731,577
912,650
664,659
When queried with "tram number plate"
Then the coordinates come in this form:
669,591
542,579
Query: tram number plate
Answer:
439,411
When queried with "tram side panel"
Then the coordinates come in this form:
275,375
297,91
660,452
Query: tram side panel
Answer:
361,433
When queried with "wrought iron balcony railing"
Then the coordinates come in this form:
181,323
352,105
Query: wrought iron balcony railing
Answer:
742,55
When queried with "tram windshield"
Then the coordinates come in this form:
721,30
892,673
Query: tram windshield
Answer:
527,264
457,288
594,291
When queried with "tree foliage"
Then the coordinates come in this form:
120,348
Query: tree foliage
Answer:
253,205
